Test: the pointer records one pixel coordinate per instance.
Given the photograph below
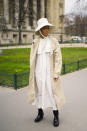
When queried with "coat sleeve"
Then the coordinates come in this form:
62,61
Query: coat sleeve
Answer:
31,53
57,60
33,46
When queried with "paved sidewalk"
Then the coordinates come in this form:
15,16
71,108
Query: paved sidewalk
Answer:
13,47
61,45
17,115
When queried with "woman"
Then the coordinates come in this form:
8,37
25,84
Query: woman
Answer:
45,69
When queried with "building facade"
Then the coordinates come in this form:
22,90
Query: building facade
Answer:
21,16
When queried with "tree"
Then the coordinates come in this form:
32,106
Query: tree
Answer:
75,24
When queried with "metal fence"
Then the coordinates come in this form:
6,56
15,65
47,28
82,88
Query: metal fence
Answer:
21,80
70,67
14,80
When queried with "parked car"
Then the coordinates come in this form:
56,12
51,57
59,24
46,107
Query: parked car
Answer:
76,38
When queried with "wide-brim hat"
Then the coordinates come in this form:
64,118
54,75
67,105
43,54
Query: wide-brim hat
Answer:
41,23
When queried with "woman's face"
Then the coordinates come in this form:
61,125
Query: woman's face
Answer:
45,30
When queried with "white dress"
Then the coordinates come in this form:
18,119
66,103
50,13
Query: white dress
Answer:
45,97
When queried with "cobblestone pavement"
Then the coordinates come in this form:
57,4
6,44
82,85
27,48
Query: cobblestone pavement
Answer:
17,115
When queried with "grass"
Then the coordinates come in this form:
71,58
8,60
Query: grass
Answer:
17,61
14,60
73,54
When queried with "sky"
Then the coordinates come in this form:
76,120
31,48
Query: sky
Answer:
71,5
68,5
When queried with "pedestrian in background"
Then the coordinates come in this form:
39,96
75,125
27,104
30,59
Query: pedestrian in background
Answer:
45,89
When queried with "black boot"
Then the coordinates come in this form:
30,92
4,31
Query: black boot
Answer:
56,118
39,116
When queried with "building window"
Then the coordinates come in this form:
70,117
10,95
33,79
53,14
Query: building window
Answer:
2,35
38,9
24,36
15,39
31,12
14,35
7,35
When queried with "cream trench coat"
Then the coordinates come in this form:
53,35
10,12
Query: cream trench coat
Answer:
55,69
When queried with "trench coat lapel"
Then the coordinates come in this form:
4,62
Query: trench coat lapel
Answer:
35,46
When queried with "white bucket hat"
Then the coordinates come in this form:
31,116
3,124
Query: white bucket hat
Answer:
41,23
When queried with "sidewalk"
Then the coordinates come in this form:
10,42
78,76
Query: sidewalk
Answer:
17,115
13,47
61,45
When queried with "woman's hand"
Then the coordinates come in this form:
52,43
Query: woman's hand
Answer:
55,79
